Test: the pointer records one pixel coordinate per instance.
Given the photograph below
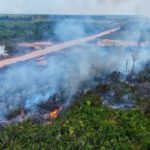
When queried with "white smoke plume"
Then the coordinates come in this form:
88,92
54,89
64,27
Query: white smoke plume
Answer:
3,52
65,73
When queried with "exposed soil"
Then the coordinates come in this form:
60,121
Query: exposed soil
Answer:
122,43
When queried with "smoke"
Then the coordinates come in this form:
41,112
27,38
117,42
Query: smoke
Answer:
66,72
3,52
69,29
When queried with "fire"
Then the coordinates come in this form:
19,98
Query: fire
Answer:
54,114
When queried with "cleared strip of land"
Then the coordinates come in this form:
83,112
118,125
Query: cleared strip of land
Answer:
54,48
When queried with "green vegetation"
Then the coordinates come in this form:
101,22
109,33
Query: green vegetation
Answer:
26,30
14,29
85,125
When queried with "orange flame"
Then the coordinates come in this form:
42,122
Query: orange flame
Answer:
54,114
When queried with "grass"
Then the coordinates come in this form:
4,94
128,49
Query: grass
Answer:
85,125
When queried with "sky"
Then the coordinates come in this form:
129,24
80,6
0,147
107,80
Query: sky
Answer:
82,7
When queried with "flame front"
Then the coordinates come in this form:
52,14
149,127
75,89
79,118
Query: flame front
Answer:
54,114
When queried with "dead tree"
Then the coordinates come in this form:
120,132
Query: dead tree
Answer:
126,65
134,59
21,104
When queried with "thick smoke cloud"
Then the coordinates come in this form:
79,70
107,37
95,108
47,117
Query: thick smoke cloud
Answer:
65,72
28,84
69,29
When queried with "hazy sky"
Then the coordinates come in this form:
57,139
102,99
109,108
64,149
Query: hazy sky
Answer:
126,7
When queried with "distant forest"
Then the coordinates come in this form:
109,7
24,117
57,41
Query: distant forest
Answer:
17,28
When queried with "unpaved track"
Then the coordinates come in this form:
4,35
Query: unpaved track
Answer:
122,43
57,47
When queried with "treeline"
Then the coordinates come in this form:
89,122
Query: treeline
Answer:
23,17
26,30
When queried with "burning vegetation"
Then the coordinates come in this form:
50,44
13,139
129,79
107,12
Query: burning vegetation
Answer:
99,86
55,113
85,124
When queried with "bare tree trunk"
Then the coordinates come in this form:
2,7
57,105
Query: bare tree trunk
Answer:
134,58
126,65
132,72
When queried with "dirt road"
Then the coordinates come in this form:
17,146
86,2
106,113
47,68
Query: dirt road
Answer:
54,48
121,43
